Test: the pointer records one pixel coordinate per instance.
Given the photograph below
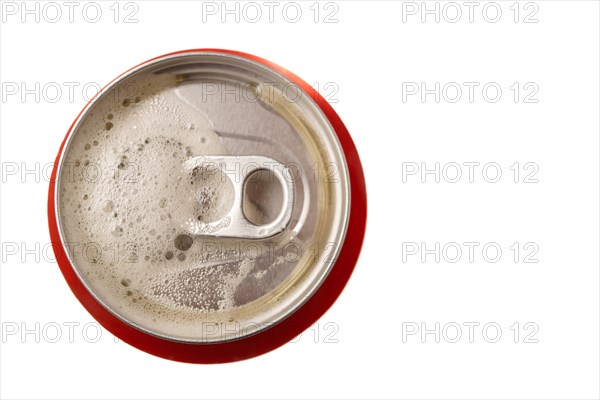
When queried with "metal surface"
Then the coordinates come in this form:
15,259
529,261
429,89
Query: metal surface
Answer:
239,169
237,126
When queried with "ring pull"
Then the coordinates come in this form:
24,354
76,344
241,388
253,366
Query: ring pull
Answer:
235,224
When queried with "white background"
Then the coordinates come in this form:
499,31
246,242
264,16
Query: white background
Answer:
371,56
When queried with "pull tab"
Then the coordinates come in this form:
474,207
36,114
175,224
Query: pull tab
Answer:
238,169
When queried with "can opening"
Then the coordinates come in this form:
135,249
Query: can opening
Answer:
214,193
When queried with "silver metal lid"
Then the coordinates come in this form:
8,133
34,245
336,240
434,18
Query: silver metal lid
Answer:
202,197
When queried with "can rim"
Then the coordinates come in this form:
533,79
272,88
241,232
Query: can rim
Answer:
273,336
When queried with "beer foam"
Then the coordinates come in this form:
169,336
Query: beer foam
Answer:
125,200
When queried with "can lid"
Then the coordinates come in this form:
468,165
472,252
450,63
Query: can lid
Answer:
202,197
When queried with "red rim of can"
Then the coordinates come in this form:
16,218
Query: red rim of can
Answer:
280,333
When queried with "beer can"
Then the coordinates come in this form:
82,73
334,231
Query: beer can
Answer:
207,206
